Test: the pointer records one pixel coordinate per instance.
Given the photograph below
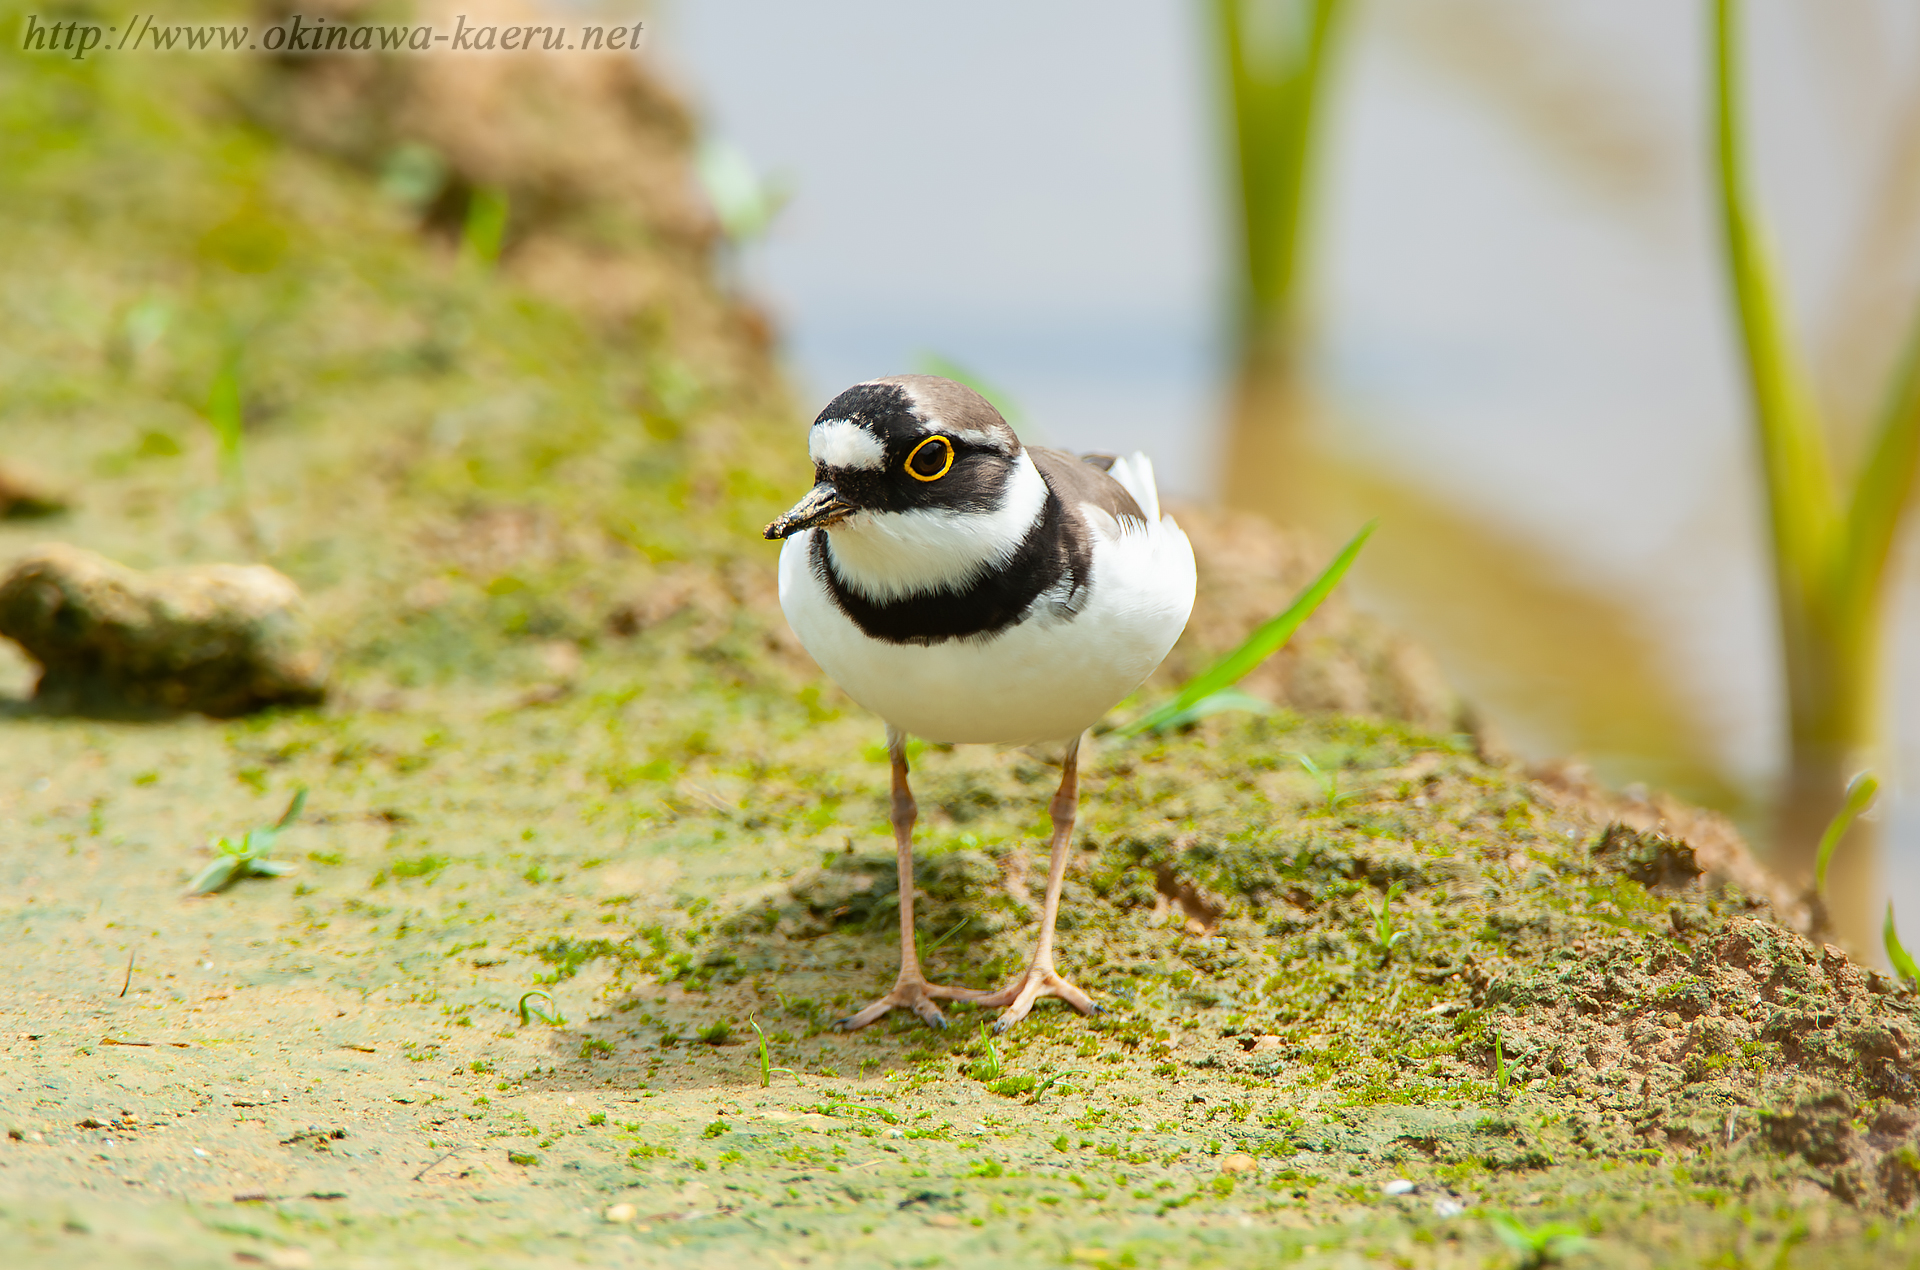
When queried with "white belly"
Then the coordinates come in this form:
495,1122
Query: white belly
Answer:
1044,680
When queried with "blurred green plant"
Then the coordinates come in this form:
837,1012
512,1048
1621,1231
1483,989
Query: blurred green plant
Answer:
1212,690
1830,539
743,202
1276,54
484,232
1860,795
1331,795
1897,954
249,856
1546,1244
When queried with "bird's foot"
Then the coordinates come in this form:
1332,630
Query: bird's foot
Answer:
1037,981
916,994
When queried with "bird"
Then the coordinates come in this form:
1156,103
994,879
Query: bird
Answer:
969,588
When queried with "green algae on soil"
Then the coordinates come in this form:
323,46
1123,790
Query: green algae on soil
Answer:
335,1063
571,749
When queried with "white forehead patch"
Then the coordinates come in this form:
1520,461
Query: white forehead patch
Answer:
843,443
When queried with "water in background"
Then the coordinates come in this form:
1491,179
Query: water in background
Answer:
1521,313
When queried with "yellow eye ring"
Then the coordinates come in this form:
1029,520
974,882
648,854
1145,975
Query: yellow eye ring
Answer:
944,467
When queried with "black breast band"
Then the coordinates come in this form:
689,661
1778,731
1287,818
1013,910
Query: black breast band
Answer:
1056,549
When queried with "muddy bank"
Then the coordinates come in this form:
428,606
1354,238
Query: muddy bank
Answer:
570,749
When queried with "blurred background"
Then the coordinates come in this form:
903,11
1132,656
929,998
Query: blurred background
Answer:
1520,327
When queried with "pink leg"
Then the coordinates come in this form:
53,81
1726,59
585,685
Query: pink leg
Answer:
1040,978
911,988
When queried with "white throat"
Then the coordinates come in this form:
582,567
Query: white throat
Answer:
888,555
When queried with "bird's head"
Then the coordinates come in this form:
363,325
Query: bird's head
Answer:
906,444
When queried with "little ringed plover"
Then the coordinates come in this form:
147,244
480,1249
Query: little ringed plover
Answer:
968,588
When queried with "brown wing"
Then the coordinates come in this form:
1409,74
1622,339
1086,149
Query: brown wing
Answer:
1078,481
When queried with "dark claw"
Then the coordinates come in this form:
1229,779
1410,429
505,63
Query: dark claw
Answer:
840,1025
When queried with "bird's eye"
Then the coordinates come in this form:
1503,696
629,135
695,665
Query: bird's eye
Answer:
931,459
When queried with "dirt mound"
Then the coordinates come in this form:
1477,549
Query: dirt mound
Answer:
1340,660
588,148
1741,1031
1514,940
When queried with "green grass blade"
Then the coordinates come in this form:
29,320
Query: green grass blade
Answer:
527,1012
1885,488
766,1061
485,230
1860,795
294,808
226,415
957,928
1898,955
1217,703
1266,640
1803,501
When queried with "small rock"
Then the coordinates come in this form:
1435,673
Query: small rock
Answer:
1447,1206
220,639
1398,1186
947,1220
24,497
1264,1044
1239,1162
290,1259
622,1213
895,1133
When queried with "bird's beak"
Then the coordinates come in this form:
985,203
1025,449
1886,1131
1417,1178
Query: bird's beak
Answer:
822,506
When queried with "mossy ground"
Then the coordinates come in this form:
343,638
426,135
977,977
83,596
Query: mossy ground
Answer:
572,750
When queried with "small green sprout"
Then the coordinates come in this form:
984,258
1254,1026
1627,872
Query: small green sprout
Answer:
528,1012
1385,932
1329,783
249,856
1501,1072
1860,794
1539,1246
1902,960
990,1069
767,1069
1049,1083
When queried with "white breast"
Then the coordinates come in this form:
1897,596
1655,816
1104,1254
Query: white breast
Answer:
1046,679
